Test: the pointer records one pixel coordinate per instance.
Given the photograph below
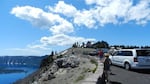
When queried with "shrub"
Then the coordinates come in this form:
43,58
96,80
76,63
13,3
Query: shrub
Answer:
96,64
81,77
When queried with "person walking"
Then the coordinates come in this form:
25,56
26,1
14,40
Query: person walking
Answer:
100,54
106,66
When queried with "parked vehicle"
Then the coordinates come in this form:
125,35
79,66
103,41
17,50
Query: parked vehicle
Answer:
131,58
96,52
93,53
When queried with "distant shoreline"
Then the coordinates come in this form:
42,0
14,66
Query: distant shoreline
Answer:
8,71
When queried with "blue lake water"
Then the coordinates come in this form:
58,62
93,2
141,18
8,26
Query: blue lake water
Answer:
9,78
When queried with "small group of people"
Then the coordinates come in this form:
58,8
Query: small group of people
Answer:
104,57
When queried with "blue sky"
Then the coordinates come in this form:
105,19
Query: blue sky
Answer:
36,27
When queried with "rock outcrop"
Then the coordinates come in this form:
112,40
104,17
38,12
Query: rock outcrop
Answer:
70,68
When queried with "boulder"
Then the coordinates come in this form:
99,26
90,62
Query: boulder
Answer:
67,61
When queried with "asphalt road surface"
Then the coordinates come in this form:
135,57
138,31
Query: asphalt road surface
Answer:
122,76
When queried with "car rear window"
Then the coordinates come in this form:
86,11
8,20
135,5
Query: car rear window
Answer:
143,52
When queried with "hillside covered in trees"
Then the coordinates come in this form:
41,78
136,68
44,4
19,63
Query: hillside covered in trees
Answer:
104,44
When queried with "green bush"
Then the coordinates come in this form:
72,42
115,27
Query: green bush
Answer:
96,64
60,56
46,61
81,77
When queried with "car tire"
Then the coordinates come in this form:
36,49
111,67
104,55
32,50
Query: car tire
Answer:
127,66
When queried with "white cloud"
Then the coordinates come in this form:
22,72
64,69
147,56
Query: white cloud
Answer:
120,11
62,7
89,2
112,12
26,51
27,12
43,19
63,40
104,12
98,2
85,18
58,26
139,13
61,19
37,46
63,28
35,15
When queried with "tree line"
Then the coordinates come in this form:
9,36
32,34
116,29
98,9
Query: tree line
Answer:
104,44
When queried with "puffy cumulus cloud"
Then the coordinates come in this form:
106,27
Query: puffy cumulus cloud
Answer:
85,18
98,2
120,11
38,17
62,7
80,17
113,12
64,27
27,12
35,15
139,13
57,25
61,18
56,42
63,40
100,13
104,12
89,2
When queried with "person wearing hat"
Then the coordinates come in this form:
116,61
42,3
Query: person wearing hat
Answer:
106,62
106,65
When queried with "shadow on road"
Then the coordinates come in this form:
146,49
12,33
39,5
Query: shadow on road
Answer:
143,71
101,80
114,82
112,74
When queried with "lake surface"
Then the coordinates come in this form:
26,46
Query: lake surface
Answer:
11,74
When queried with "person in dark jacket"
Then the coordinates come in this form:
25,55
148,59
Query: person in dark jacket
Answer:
106,66
106,62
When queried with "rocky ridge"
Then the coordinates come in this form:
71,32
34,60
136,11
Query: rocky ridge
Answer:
74,66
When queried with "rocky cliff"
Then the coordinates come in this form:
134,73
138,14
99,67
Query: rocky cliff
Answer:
68,67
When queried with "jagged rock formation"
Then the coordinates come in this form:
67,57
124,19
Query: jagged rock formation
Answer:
67,68
67,61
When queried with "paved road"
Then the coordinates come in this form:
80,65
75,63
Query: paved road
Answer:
122,76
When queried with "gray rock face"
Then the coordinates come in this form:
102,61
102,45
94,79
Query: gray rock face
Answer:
68,61
71,61
63,71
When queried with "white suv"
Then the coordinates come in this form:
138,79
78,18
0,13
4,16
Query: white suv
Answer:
131,58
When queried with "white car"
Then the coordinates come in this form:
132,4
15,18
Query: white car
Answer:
131,58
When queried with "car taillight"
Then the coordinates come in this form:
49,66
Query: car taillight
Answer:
135,59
